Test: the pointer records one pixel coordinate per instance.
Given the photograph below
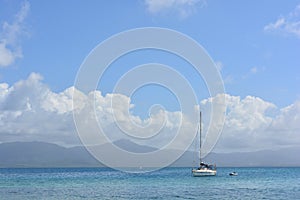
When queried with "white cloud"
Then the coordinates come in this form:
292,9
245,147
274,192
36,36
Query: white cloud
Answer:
279,23
183,7
285,127
254,124
253,70
288,24
228,79
10,48
23,117
6,55
30,111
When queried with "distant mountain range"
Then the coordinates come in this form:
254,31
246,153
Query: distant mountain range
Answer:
41,154
287,157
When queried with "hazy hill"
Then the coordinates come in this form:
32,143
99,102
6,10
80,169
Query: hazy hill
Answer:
279,158
41,154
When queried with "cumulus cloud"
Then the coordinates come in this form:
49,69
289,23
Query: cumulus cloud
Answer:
288,24
183,7
23,116
254,124
112,114
10,48
30,111
285,127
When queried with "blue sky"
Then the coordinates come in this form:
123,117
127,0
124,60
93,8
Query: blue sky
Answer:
255,43
59,36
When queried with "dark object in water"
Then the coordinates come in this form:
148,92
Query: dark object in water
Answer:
233,174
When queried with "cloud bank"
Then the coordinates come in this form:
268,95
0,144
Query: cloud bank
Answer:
30,111
10,48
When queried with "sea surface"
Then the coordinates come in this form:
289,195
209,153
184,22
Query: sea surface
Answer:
168,183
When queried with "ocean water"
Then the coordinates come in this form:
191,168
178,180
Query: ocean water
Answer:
168,183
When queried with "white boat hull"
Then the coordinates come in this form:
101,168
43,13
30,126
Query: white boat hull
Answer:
204,172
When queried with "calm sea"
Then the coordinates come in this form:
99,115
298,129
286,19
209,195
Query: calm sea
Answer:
168,183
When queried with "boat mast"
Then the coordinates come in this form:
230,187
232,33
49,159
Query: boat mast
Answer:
200,127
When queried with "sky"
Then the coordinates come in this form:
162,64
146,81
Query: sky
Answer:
255,45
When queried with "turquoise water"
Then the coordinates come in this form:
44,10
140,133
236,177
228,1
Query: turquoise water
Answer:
169,183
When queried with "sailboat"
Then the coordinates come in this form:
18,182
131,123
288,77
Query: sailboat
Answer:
204,169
